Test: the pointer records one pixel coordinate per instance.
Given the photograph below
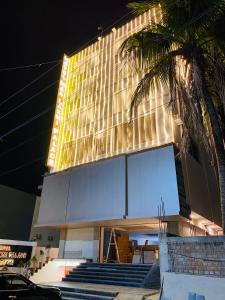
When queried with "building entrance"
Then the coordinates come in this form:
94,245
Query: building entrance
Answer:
128,245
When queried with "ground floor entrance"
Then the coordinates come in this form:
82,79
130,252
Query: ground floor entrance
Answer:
133,241
128,244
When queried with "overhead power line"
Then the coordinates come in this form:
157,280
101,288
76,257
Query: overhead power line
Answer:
57,62
36,79
48,109
26,122
29,66
29,99
24,142
22,166
29,84
103,31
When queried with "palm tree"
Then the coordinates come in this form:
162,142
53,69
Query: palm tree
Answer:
185,50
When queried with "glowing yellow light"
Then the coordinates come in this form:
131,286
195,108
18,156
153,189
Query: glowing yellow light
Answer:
92,111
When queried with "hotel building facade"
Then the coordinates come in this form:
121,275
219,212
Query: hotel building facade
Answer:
107,171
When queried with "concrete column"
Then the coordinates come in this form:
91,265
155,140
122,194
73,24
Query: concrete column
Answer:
163,254
62,243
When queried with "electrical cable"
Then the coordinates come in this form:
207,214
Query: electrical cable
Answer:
48,109
24,142
29,99
58,61
26,122
29,66
23,124
22,166
43,63
96,36
29,84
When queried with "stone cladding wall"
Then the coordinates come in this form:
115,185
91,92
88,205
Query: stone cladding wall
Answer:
197,255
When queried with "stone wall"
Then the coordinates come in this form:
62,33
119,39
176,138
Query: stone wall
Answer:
194,255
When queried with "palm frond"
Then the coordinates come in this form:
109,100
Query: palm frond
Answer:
143,6
148,46
157,75
191,13
219,79
216,33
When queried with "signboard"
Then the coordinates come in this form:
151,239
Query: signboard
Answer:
11,255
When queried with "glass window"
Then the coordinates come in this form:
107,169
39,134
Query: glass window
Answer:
12,282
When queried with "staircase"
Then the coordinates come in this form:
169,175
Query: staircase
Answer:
110,273
74,293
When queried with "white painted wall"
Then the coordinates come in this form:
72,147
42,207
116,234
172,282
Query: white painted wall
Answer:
178,286
81,243
55,270
86,249
53,253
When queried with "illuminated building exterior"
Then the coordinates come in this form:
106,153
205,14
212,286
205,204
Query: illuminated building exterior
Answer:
106,171
92,114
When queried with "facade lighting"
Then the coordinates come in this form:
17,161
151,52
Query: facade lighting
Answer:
92,112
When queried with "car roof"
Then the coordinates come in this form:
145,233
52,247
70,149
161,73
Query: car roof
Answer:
8,273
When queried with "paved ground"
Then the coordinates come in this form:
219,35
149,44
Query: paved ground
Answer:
152,297
125,293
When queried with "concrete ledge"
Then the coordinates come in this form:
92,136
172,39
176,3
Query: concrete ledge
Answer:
178,286
196,239
20,243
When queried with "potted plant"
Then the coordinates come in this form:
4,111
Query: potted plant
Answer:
48,247
21,266
26,269
33,263
41,259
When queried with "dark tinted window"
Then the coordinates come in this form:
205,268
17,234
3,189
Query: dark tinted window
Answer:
3,283
12,282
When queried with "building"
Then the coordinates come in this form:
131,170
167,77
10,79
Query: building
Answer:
43,236
107,172
16,213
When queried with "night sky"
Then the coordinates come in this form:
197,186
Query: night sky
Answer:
34,32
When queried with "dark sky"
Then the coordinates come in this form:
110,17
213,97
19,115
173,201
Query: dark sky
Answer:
33,32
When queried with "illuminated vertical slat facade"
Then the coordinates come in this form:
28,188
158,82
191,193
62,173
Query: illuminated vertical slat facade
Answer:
92,112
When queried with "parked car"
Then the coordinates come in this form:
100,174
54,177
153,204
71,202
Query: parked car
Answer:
15,286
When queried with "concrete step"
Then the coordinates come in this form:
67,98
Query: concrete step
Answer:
108,274
99,276
103,281
116,266
74,295
88,291
67,298
117,271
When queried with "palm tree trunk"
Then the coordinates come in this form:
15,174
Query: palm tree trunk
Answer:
219,146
